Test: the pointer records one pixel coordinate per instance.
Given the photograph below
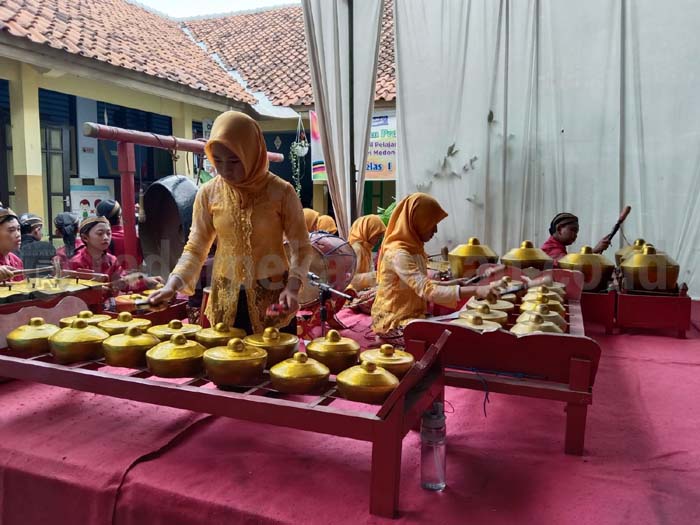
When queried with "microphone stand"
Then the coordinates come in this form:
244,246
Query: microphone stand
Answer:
325,291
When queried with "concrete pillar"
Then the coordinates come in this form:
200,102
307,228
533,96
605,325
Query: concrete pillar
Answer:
182,129
30,187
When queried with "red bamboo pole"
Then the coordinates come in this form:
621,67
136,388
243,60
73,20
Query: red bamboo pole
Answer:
145,138
126,139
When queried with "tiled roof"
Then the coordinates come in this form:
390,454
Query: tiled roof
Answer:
121,34
268,49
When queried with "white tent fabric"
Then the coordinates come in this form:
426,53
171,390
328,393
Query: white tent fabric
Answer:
546,114
326,26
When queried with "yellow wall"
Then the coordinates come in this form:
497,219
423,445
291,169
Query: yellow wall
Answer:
25,81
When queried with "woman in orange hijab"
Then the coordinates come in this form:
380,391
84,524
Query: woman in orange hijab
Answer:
247,210
311,219
404,289
364,235
326,223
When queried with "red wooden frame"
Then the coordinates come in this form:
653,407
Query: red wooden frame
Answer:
600,308
654,311
559,367
384,427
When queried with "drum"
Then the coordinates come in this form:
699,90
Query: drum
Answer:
333,260
203,321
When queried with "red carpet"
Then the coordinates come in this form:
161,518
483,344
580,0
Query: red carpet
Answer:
642,463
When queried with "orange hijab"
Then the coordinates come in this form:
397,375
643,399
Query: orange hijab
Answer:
418,213
243,136
364,229
311,218
327,224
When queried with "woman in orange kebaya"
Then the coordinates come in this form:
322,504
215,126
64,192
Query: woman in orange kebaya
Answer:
404,289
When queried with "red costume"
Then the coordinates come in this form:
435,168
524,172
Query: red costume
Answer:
63,258
119,249
15,262
555,249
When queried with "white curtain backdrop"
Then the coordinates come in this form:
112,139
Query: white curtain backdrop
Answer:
547,114
326,26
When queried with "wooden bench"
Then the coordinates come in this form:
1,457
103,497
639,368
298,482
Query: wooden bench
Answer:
560,367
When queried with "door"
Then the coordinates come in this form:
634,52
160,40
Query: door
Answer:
55,158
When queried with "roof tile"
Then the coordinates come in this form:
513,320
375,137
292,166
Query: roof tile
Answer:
122,34
268,49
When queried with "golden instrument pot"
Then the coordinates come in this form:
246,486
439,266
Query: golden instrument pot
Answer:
78,342
548,315
164,332
129,349
123,321
395,361
466,258
334,351
554,287
491,302
535,323
127,303
650,270
597,269
526,256
543,291
85,315
279,346
218,335
483,311
299,375
531,304
625,251
236,364
32,338
475,322
178,357
366,383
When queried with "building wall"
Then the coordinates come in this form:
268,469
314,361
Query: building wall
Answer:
25,81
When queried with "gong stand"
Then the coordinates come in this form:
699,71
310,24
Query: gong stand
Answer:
325,294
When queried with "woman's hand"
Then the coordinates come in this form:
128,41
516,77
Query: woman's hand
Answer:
162,297
153,282
289,299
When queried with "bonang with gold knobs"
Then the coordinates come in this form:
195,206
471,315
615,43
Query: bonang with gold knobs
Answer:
650,270
535,323
123,321
465,259
487,314
546,313
531,304
299,374
527,256
164,332
32,338
475,322
177,357
334,351
492,302
78,342
129,349
366,383
597,269
278,345
218,335
395,361
85,315
235,364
